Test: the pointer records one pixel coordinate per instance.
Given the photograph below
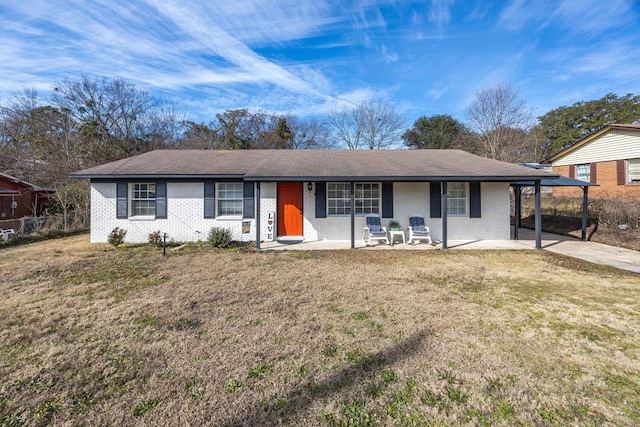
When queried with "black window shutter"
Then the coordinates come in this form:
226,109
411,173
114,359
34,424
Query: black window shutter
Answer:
321,199
209,199
161,200
122,205
475,204
249,200
435,194
387,199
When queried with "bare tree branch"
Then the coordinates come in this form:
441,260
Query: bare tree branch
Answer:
368,125
501,119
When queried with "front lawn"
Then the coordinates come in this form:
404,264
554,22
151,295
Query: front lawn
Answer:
92,335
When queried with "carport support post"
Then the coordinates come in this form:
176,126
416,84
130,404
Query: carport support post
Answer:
538,215
353,213
445,210
258,216
585,211
518,210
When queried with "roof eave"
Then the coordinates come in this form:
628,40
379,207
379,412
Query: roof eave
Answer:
452,178
153,176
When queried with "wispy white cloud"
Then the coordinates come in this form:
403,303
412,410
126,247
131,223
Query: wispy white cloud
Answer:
517,14
613,60
440,13
389,56
215,40
594,16
310,56
584,16
437,91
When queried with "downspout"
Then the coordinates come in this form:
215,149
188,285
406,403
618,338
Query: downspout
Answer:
538,219
258,216
353,214
445,210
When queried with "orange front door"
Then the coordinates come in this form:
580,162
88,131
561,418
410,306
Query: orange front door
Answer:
289,209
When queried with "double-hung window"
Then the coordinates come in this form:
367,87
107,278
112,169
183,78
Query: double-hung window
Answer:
142,199
366,198
633,168
583,172
229,197
458,198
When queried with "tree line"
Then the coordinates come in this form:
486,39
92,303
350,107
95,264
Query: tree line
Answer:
88,121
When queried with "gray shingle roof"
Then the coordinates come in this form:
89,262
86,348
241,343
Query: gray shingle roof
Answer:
319,165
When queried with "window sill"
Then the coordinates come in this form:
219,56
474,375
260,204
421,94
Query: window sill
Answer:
142,218
349,215
229,218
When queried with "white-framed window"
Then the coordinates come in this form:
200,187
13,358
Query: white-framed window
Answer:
229,198
583,172
457,198
142,200
366,198
633,171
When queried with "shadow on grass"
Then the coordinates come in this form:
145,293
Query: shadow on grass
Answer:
303,396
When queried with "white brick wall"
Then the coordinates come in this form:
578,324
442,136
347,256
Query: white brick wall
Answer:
186,222
411,198
268,193
185,215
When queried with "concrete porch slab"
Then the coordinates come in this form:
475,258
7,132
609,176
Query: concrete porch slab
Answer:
598,253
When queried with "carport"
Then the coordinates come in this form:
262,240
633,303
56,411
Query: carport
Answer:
561,181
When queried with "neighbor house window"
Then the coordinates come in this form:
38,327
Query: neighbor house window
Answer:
633,166
366,198
143,199
583,172
458,198
229,197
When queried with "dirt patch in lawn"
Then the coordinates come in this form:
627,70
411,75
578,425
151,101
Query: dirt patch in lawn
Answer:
94,335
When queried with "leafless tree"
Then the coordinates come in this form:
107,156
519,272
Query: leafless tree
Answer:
115,119
310,133
502,121
367,126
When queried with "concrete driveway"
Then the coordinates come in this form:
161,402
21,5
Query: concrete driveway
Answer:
598,253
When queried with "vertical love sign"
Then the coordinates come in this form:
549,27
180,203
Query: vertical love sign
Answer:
271,217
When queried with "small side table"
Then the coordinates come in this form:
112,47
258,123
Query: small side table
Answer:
394,233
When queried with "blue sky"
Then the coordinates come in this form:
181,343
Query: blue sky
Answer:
307,57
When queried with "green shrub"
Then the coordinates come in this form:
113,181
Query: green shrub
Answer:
116,237
219,237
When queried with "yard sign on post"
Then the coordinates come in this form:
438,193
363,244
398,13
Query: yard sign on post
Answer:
271,216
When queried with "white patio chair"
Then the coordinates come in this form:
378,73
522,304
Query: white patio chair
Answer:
418,230
374,230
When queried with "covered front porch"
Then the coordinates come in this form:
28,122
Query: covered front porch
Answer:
485,216
527,240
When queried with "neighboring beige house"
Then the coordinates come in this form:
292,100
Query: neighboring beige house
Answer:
609,157
302,195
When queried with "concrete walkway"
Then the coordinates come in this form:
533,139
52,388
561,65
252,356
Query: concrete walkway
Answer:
598,253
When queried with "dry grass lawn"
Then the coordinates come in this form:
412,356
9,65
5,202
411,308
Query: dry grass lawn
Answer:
91,335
